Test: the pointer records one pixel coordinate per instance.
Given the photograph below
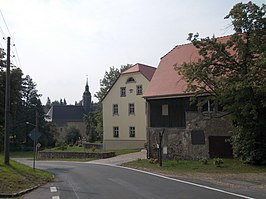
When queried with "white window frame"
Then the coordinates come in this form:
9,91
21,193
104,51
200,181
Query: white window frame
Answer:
131,106
139,90
115,109
132,131
123,92
116,131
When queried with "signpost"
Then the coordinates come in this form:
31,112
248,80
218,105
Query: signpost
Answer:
34,135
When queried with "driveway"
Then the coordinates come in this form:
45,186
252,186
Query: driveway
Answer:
118,160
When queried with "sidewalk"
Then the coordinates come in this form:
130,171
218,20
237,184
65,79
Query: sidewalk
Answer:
118,160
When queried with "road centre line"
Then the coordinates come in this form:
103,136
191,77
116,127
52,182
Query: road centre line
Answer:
55,197
53,189
181,181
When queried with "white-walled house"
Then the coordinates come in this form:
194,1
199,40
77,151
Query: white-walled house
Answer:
124,109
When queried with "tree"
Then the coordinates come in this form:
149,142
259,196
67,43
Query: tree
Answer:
105,84
94,124
48,105
73,135
234,74
109,79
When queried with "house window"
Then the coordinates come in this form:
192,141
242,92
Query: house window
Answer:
131,109
197,137
132,131
130,80
115,109
165,109
116,131
139,89
122,91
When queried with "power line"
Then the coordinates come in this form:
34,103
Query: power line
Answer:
5,23
17,55
13,45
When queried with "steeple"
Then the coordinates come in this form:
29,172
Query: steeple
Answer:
87,85
86,100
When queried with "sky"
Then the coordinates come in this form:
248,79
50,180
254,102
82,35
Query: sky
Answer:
59,43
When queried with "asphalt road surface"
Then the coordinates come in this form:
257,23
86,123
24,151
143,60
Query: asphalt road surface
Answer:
88,181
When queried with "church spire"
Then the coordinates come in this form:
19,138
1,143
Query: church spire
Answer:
87,85
86,101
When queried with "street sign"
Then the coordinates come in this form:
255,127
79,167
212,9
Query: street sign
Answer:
34,134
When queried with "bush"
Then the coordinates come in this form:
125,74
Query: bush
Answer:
204,161
218,162
153,161
73,135
61,145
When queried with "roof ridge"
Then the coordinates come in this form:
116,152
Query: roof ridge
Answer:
147,65
186,44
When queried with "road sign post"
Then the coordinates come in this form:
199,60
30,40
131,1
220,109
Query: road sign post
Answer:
34,135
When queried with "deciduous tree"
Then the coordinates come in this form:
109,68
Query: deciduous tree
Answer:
234,74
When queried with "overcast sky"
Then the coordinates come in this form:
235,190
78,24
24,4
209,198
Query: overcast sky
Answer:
59,42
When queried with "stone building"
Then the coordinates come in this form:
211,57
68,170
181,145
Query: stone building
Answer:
65,116
186,132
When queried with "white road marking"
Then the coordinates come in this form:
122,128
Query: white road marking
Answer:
181,181
55,197
53,189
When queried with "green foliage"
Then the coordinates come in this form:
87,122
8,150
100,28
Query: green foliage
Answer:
1,138
230,166
218,162
73,135
107,82
94,123
19,177
204,161
109,79
94,120
61,145
24,101
233,73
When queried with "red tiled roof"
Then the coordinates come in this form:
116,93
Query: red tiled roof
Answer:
166,81
145,70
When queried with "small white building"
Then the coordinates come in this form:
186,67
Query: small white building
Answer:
124,109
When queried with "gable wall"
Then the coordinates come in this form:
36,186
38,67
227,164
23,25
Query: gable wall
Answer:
123,120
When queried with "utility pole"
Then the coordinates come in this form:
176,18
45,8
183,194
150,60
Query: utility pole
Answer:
7,105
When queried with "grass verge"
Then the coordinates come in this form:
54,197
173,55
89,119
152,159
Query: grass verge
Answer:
18,177
21,154
176,167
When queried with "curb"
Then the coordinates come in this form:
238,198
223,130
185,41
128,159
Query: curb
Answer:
11,195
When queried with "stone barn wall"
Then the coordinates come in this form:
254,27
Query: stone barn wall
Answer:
177,142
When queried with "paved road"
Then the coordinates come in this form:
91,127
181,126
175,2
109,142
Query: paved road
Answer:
89,180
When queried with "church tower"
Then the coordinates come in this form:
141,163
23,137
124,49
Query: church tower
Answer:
86,99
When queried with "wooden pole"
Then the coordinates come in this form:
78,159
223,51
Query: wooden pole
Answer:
7,106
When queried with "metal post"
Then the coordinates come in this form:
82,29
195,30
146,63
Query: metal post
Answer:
160,148
34,140
7,105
